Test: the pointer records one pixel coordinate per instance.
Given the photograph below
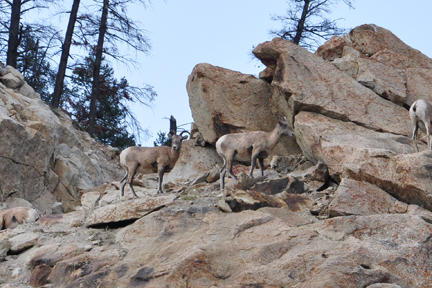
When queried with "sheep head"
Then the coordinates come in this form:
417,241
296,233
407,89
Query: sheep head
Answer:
176,140
285,128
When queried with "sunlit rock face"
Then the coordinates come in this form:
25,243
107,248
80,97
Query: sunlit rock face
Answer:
43,158
223,101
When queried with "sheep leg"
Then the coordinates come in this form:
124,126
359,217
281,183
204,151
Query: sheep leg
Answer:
261,163
229,167
160,173
130,179
253,164
428,136
124,178
222,173
123,183
414,136
222,183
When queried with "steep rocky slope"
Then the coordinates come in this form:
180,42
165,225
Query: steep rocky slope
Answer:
346,203
43,158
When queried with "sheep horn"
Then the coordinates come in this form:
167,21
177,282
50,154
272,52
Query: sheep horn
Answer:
181,134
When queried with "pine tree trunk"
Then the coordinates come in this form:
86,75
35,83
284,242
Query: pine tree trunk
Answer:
173,125
97,66
58,89
300,26
12,53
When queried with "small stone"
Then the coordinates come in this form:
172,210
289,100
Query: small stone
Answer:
16,272
318,194
76,222
400,207
200,179
57,208
286,164
214,174
4,248
199,140
23,241
40,275
222,205
316,209
90,199
88,247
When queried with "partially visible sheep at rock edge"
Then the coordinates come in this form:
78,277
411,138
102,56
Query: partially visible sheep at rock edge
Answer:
10,218
421,113
147,160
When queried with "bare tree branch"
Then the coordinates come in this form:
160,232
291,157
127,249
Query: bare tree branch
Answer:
305,22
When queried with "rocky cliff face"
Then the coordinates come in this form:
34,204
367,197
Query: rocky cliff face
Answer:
347,203
43,158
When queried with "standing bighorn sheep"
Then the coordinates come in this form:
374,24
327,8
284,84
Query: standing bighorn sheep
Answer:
146,160
10,218
420,113
249,146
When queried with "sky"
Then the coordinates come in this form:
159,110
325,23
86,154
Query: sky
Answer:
224,32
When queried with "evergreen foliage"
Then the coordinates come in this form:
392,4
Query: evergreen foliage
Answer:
32,62
112,110
162,140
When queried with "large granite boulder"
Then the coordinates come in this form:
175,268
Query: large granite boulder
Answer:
360,198
312,84
385,81
127,210
224,101
193,162
407,177
379,43
400,65
334,141
418,85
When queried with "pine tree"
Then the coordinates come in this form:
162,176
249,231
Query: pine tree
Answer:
111,126
34,65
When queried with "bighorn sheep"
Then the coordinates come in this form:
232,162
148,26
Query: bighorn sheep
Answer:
249,146
420,113
10,218
146,160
